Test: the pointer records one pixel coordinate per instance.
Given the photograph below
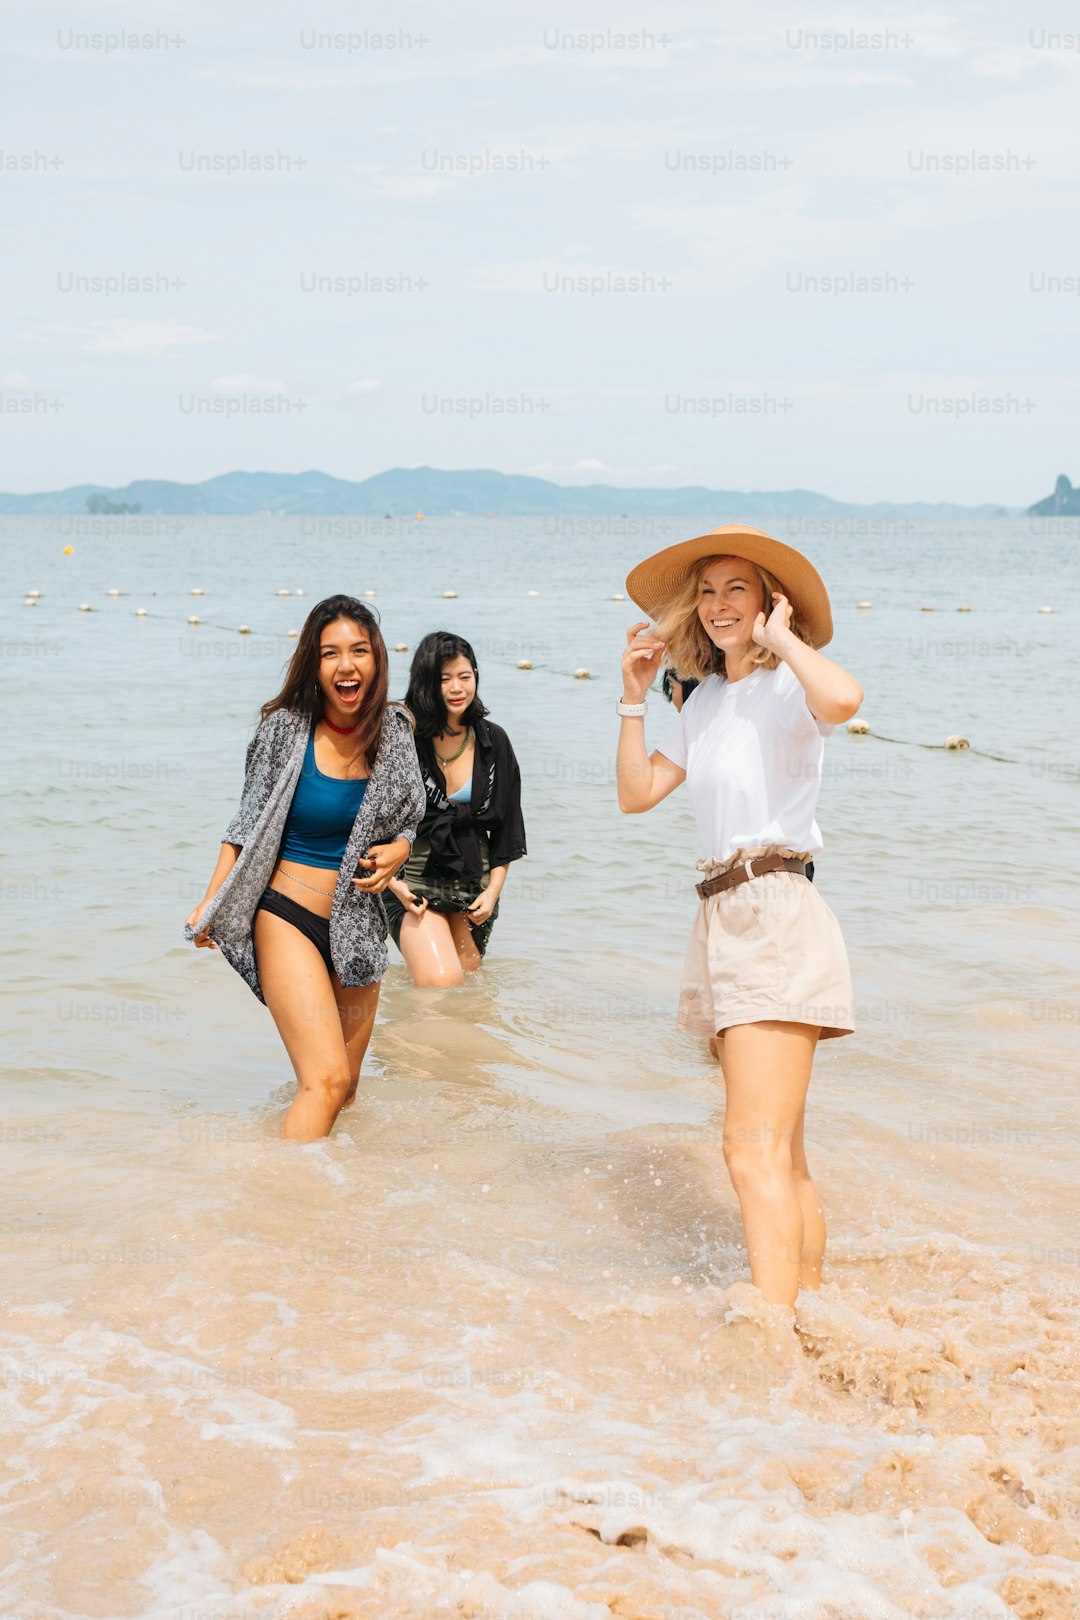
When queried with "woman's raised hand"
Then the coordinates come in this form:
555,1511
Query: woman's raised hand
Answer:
769,633
640,662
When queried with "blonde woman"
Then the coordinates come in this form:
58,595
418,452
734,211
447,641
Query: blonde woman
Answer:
766,974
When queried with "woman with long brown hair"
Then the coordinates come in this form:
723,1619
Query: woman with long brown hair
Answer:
332,799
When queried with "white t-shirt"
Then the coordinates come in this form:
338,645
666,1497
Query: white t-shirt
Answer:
752,754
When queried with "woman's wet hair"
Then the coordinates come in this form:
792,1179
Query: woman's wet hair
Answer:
425,697
688,646
301,690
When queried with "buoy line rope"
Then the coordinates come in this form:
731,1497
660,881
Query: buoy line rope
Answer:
954,745
963,747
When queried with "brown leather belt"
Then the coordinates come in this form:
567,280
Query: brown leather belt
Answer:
752,869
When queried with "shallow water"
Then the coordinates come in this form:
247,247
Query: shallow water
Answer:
490,1350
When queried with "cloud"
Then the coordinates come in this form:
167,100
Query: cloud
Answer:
591,469
243,383
14,379
407,186
324,71
579,278
354,396
128,337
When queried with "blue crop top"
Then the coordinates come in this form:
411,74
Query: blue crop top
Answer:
321,815
463,794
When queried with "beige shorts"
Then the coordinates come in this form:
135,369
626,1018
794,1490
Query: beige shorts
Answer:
767,949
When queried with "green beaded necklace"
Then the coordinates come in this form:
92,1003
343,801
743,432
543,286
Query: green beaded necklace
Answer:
461,750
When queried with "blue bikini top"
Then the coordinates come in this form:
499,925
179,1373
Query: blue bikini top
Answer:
321,815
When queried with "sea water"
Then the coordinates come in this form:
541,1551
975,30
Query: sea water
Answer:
491,1349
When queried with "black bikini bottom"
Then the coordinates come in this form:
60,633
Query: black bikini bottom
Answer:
309,923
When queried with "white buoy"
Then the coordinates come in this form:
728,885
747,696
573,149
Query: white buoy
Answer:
449,594
582,675
401,646
193,618
524,663
1046,610
298,593
957,742
862,604
30,601
293,635
112,591
858,728
196,590
140,613
34,594
532,593
244,629
84,607
369,594
618,597
283,592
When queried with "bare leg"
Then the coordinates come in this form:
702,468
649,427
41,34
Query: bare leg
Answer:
767,1073
356,1012
468,955
301,999
813,1245
427,945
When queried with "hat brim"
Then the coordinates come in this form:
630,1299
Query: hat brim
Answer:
656,581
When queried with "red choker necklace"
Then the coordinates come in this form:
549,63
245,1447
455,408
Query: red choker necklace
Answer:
343,731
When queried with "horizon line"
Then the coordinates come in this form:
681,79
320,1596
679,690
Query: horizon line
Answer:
595,483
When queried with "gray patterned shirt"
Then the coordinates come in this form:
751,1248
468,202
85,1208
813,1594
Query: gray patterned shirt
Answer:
391,808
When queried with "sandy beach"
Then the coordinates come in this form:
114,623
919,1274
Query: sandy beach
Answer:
491,1349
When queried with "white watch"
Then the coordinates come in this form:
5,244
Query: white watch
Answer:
630,710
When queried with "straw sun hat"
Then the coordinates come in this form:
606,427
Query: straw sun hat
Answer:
654,582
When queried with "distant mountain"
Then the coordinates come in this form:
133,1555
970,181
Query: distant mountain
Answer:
1064,502
149,494
404,490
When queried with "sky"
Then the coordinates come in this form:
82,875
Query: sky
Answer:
751,247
